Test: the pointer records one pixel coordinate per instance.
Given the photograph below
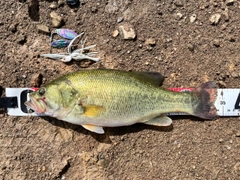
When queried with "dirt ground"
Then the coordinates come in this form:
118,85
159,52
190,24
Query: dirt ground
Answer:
182,39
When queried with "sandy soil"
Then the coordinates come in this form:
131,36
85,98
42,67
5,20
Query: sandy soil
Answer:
175,38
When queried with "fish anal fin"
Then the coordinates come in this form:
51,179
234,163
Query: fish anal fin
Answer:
92,128
160,121
93,110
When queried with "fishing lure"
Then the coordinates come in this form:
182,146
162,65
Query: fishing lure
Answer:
60,43
78,54
65,33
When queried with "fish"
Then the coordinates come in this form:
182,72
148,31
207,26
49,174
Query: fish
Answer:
110,98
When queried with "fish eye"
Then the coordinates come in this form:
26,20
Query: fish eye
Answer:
41,91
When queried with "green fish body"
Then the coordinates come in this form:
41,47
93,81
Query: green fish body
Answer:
110,98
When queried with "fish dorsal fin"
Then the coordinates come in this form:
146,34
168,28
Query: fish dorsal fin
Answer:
92,128
93,110
160,121
152,77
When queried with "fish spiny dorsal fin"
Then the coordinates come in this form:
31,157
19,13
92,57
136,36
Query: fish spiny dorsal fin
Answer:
151,77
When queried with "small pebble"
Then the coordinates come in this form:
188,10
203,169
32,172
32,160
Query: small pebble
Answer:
94,9
127,31
24,76
215,18
216,42
235,74
222,84
61,2
57,20
220,140
178,3
237,134
43,29
229,2
150,41
44,169
53,5
115,33
120,19
179,15
36,80
191,47
193,18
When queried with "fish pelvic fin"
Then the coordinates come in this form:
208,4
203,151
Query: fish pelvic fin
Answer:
93,128
160,121
203,101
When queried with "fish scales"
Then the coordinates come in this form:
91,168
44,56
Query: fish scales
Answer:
125,98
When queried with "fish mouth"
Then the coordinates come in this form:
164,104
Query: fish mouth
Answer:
38,105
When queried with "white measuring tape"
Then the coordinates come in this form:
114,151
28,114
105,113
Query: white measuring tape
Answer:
227,102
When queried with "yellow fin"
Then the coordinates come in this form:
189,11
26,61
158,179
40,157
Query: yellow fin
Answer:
96,129
92,110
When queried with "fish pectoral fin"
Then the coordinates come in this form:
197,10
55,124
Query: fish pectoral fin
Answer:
92,128
93,110
160,121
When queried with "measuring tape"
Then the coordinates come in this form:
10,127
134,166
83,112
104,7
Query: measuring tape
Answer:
227,102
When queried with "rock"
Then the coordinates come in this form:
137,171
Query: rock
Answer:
43,29
94,9
57,20
229,2
36,80
115,33
53,5
193,18
150,41
216,42
226,14
127,31
234,74
178,3
44,168
237,134
236,169
191,47
13,27
222,84
178,16
215,18
120,19
111,7
220,140
61,2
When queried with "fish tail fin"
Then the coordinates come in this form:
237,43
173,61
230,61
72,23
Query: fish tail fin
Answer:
203,101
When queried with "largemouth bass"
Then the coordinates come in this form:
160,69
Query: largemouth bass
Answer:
110,98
